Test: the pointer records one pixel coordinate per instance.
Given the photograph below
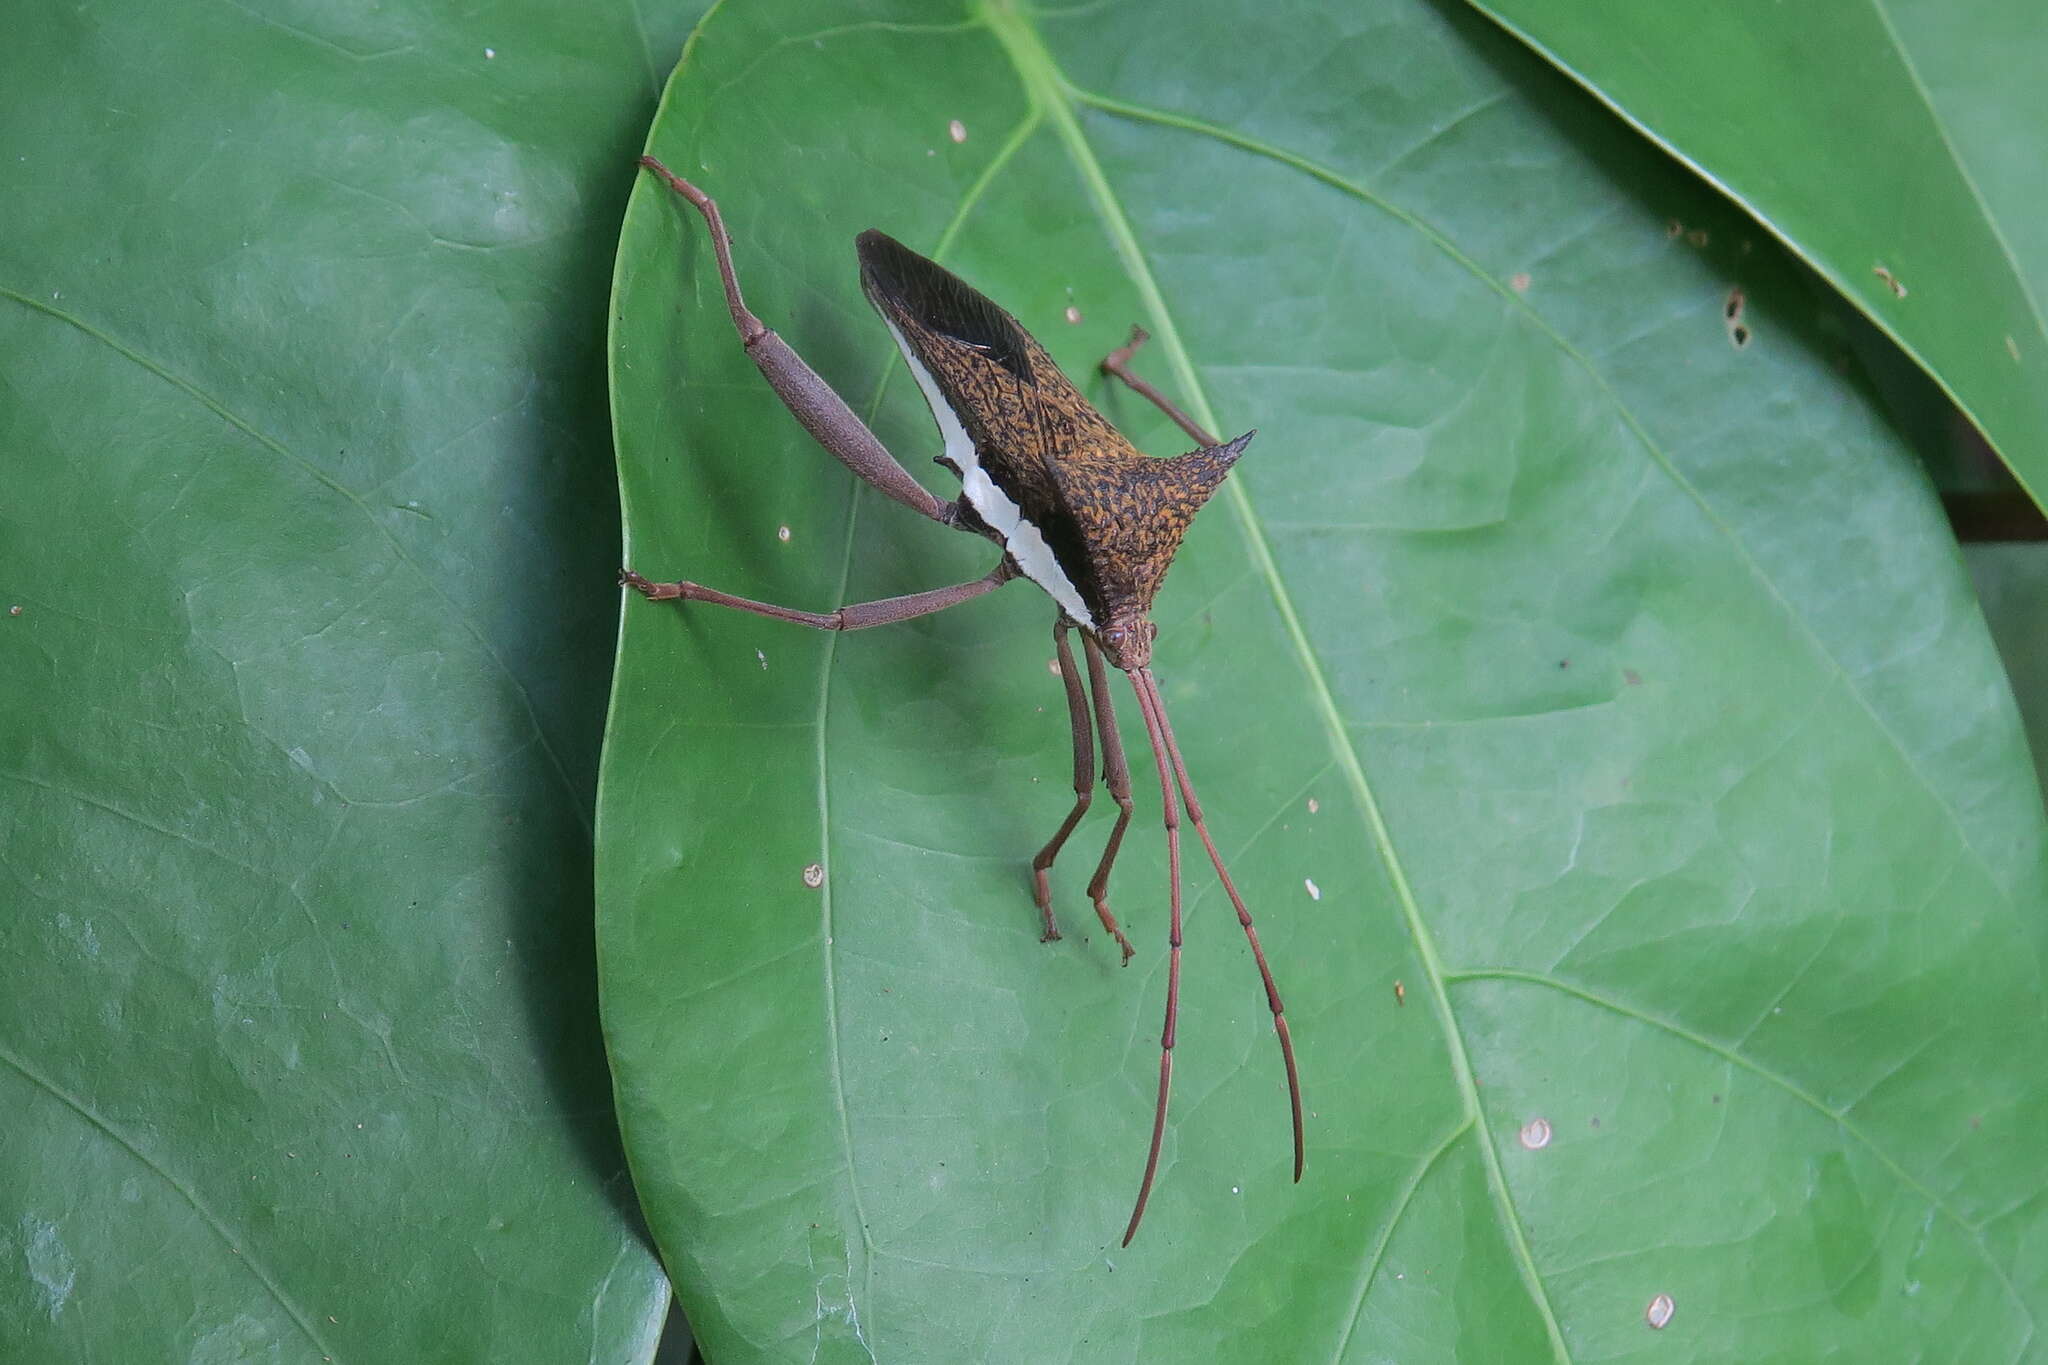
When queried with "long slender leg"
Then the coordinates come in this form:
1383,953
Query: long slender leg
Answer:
1148,705
1118,363
809,398
1084,778
1244,916
858,616
1116,774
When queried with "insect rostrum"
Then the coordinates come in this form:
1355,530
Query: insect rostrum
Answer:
1073,506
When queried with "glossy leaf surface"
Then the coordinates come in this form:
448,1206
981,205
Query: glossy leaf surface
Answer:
1895,146
307,518
1607,688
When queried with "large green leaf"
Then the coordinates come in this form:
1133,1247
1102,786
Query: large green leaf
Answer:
1613,690
307,515
1895,146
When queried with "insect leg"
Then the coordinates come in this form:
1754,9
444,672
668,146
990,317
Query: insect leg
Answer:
859,616
1084,777
1148,703
1118,363
1116,775
809,398
1244,916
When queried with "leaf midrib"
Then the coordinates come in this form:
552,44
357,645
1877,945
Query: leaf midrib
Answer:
1050,92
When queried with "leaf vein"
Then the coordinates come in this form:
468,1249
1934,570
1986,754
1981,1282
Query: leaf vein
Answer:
1839,1116
1050,91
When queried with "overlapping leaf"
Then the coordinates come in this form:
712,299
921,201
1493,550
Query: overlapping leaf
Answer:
1895,146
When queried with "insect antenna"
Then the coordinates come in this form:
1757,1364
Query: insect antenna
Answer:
1166,752
1155,731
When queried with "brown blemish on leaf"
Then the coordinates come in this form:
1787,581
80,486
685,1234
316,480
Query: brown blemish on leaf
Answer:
1891,281
1731,314
2012,348
1519,282
1697,237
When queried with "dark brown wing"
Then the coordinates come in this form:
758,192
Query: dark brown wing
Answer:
1025,415
909,288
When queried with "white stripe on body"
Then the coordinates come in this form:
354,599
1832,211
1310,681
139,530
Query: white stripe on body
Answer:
1023,540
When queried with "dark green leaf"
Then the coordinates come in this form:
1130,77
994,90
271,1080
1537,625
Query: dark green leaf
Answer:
308,521
1894,146
1616,688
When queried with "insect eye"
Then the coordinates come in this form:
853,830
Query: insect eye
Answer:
1113,636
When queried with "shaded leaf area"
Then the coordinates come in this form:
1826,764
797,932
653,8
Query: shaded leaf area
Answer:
1611,690
2012,583
1894,146
307,521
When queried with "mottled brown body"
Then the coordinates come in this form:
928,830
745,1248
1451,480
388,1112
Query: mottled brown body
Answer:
1113,517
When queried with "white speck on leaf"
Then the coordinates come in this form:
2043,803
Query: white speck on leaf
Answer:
1658,1314
957,131
490,54
1314,805
1535,1134
814,876
763,658
1315,893
782,534
50,1264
